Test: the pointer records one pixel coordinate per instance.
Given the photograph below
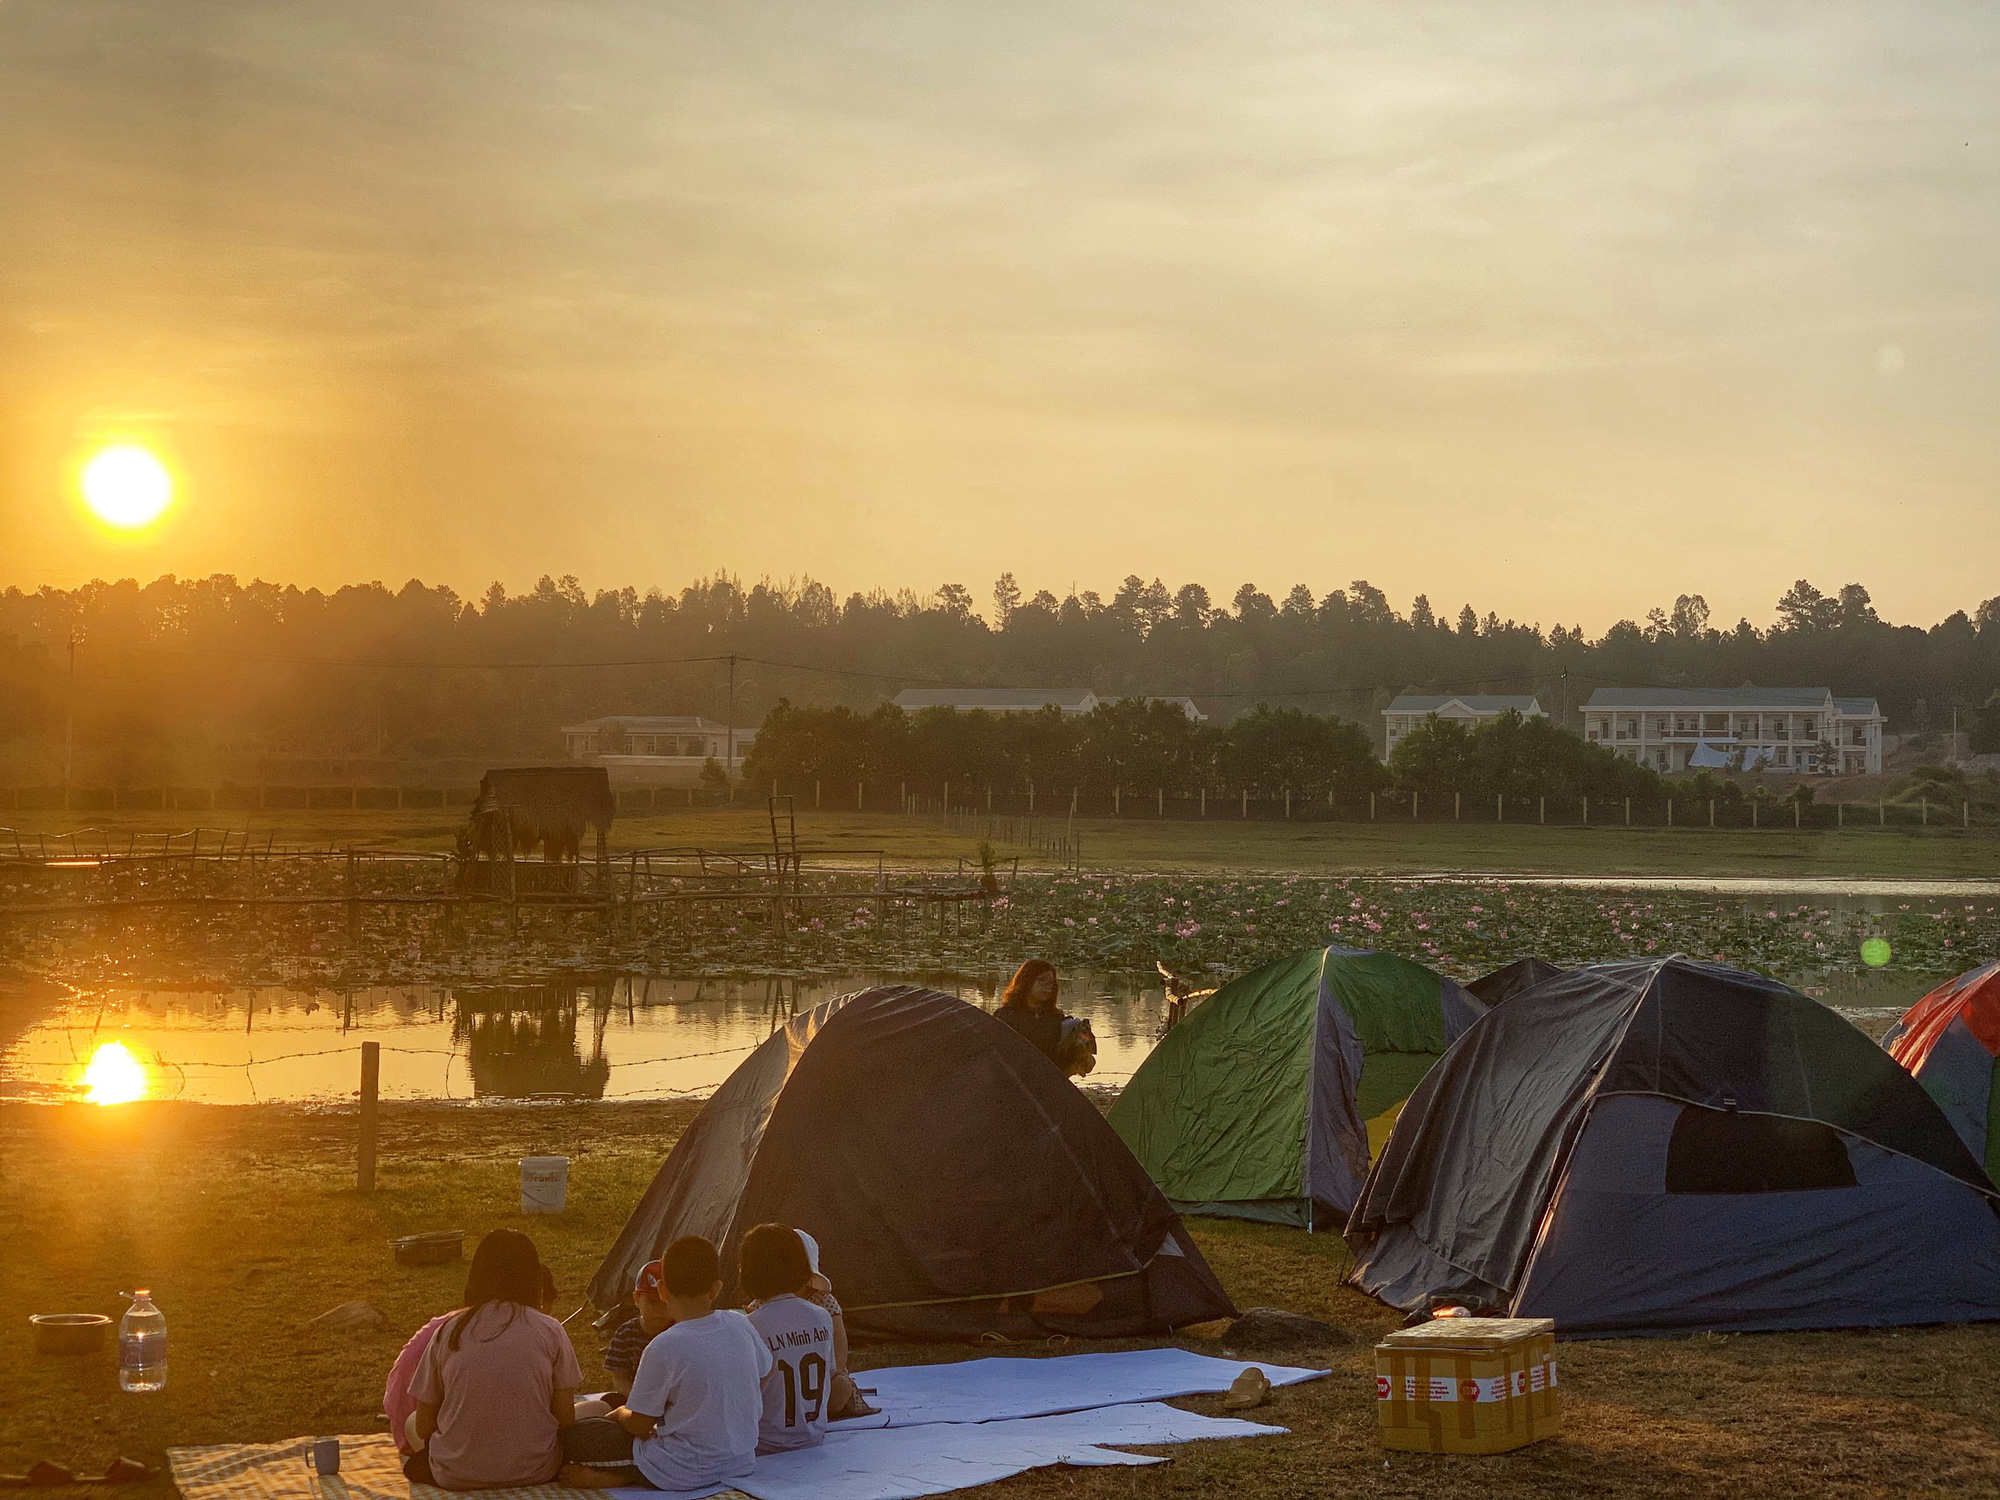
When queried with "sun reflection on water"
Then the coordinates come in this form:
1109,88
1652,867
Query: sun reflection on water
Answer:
114,1075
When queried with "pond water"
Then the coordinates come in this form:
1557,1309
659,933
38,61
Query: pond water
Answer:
611,1037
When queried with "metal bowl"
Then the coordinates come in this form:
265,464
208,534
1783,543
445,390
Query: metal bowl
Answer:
436,1248
69,1333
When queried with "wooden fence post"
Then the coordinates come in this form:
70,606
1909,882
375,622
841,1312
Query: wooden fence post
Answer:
1924,810
1204,800
1246,803
1499,807
1711,812
1586,811
513,884
1288,802
1163,802
1456,798
371,1080
1414,795
1371,807
1628,812
1670,812
1798,813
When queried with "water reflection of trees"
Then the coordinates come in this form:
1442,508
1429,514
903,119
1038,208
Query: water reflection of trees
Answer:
522,1041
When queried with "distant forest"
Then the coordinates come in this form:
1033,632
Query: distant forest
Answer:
212,676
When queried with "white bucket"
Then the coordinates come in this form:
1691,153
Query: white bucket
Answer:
544,1184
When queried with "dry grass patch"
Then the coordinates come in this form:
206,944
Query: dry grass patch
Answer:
246,1225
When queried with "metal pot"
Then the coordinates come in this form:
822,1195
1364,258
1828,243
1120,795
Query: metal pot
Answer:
69,1333
436,1248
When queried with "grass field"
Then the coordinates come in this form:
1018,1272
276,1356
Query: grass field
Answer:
245,1224
1140,844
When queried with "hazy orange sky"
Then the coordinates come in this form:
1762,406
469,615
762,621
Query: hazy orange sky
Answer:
1561,309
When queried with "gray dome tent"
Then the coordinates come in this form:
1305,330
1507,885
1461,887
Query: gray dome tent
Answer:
958,1185
1669,1146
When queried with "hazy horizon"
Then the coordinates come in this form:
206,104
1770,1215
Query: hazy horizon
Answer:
1554,309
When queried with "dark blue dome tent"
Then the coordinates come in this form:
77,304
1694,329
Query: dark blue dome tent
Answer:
1509,980
1670,1146
957,1183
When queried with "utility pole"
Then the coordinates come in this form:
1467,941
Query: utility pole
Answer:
69,720
1564,720
732,717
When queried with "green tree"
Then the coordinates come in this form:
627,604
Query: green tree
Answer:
1279,749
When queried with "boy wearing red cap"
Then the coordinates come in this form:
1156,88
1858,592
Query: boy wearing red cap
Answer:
621,1355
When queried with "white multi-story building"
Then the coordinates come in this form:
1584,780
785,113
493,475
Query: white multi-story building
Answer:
645,749
998,700
1750,729
1411,709
1071,701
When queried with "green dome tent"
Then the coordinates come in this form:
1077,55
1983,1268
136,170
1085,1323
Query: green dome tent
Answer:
1265,1102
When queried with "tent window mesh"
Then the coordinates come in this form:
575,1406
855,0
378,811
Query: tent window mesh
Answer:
1718,1151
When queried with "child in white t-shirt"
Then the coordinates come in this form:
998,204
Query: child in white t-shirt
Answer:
692,1417
846,1400
774,1273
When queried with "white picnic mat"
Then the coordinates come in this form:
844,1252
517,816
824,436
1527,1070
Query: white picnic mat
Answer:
903,1463
1004,1388
942,1427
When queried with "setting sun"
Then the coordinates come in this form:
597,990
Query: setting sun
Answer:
127,486
114,1076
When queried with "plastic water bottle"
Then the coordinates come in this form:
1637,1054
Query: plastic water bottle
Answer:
142,1345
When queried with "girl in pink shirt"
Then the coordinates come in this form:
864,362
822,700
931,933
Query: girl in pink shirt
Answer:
497,1383
398,1405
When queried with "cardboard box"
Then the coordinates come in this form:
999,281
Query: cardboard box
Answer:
1468,1385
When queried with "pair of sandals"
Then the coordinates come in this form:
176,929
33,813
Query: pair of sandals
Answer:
46,1475
1252,1387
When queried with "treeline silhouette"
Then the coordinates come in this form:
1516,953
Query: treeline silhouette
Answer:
1150,748
200,676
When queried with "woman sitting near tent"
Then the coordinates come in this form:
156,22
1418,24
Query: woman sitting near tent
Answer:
1029,1006
497,1384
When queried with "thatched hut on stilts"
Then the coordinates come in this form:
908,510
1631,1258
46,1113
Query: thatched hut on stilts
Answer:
520,809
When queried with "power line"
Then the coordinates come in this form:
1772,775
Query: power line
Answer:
1471,683
1480,683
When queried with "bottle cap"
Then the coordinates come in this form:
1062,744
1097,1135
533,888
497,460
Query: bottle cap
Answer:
140,1291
